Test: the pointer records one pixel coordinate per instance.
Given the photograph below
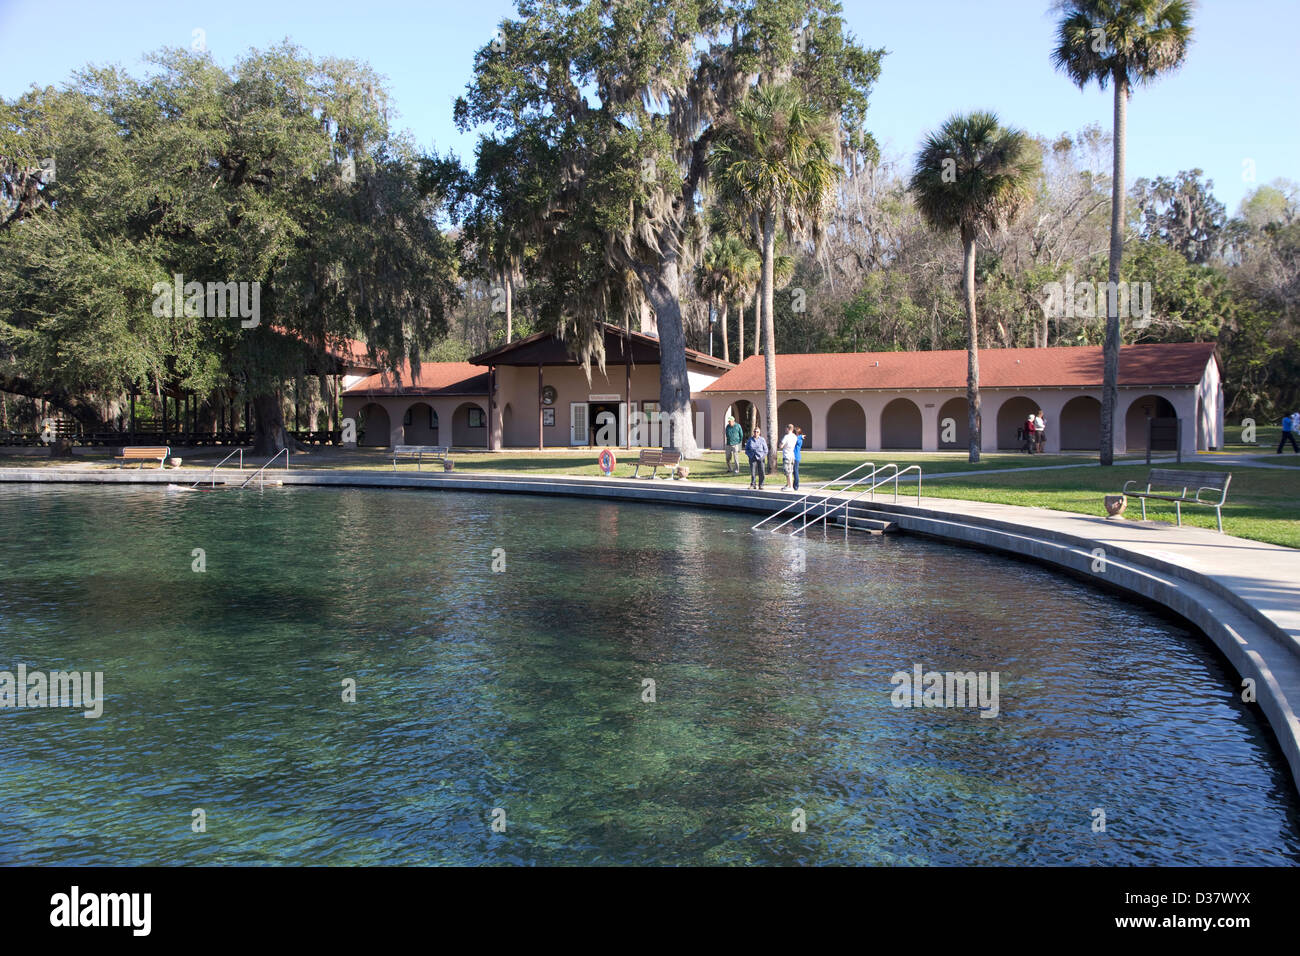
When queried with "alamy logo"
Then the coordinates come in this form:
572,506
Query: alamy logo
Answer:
84,689
216,300
1088,300
103,909
923,688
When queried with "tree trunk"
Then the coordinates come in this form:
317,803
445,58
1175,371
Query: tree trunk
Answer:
661,289
758,320
510,312
740,332
726,352
270,435
972,344
1110,378
769,330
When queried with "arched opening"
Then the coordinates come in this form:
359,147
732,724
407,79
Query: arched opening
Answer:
420,425
747,414
900,425
469,426
373,430
1080,424
846,425
954,425
794,412
1012,415
1135,422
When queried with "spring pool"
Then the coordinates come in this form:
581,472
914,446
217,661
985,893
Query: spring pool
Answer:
521,697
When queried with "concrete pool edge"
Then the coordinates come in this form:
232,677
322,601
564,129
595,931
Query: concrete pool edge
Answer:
1189,571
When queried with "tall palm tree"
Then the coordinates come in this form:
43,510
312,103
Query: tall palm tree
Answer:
782,273
745,279
776,159
973,175
1127,43
711,279
739,263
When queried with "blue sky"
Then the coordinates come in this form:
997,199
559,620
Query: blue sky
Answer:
1236,100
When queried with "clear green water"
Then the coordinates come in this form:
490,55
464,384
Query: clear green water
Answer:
522,690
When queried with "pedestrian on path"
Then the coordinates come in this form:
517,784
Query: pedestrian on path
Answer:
788,443
756,450
1040,431
735,439
798,454
1290,425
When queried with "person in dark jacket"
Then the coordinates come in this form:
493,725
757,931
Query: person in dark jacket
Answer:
756,450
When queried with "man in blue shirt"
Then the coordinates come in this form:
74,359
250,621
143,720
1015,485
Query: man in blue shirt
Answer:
756,449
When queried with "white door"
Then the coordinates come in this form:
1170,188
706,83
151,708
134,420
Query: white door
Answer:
577,423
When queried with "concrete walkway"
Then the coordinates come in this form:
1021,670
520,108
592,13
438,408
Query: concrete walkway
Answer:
1244,595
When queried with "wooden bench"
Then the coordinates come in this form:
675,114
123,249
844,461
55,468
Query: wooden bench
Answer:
654,458
143,453
1174,485
440,453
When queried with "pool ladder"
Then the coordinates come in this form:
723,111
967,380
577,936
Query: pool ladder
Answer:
211,476
259,473
815,501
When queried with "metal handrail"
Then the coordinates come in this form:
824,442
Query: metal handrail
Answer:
825,498
213,473
799,501
824,517
283,451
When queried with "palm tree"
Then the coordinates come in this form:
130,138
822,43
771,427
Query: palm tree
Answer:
711,280
782,273
740,263
749,272
776,160
1127,43
973,175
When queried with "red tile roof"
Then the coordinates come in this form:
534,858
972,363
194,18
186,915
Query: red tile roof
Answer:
435,378
352,353
1180,363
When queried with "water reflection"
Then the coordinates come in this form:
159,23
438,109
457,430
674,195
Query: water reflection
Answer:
523,691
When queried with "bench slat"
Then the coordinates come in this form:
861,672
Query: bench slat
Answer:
1188,479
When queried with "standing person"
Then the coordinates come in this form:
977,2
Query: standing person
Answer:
735,438
756,449
1040,431
1031,438
1290,425
798,454
788,444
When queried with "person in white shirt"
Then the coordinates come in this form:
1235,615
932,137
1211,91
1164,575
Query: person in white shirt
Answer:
1040,430
788,443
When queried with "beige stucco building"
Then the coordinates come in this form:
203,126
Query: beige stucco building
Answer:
532,394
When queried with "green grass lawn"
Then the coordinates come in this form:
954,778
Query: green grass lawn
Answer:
1263,503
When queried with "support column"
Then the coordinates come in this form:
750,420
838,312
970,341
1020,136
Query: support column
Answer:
627,390
494,412
929,422
541,433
